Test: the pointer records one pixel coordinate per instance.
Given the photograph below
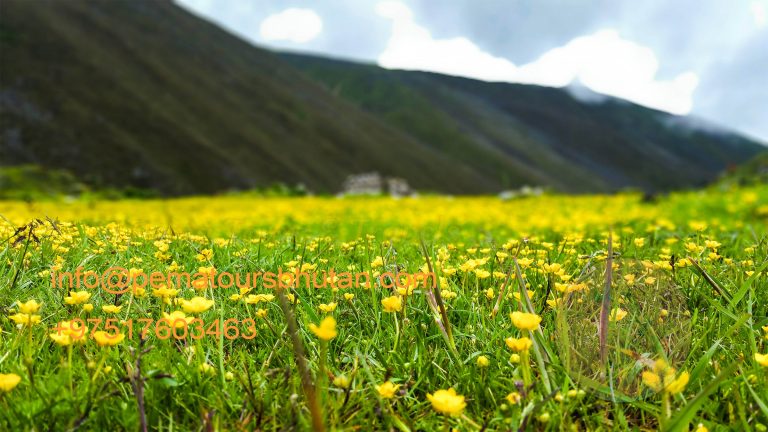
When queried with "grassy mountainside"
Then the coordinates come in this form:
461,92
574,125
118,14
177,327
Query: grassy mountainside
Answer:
548,135
145,94
142,94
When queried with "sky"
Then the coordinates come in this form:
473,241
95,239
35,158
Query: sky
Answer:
706,58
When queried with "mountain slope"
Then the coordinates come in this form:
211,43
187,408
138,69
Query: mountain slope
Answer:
562,137
145,94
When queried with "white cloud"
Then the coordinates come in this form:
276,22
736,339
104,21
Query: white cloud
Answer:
412,47
603,62
292,25
759,14
608,64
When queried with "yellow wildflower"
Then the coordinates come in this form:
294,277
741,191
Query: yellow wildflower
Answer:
761,359
525,321
177,319
392,304
111,308
328,308
206,369
341,381
387,390
22,319
165,292
663,378
326,330
9,381
519,344
447,402
617,314
196,305
30,307
77,297
514,398
105,339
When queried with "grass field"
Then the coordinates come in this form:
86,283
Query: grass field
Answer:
551,313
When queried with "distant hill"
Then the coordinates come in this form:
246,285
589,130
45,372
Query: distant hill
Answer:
143,94
572,139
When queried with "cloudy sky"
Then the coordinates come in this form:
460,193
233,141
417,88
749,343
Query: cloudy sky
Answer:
708,58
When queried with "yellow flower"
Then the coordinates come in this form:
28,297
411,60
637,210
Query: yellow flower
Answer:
22,319
482,274
514,398
165,292
663,378
204,255
259,298
519,345
9,381
207,369
341,381
105,339
555,303
326,330
392,304
69,332
261,313
88,307
77,297
29,308
525,321
447,402
483,361
617,314
61,339
761,359
652,380
517,297
387,390
349,296
677,385
377,262
701,428
177,319
328,308
111,308
196,305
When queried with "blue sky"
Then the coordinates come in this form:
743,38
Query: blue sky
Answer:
707,58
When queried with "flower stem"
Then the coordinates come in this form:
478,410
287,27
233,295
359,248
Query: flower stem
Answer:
397,332
526,368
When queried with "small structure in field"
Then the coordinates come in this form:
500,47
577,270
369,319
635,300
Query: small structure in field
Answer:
523,192
373,183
